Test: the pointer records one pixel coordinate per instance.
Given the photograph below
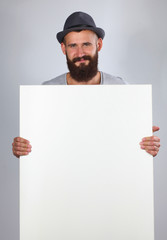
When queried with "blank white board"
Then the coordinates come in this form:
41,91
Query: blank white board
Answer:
86,178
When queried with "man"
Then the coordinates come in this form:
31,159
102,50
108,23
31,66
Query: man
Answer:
80,42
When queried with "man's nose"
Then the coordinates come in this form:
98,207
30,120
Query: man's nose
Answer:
80,52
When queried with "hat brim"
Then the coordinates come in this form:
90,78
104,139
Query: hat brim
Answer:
99,31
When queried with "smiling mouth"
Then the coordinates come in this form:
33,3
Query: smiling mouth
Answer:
82,60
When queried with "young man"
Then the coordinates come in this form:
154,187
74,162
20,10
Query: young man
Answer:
80,42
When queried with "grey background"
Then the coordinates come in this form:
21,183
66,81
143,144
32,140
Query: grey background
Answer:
135,48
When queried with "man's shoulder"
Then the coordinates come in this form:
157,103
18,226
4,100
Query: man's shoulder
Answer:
106,78
110,79
60,80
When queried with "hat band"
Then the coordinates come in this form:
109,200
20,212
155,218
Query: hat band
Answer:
81,25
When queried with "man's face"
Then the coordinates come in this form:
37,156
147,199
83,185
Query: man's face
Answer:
81,50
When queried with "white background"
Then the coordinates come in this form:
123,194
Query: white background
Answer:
87,178
134,49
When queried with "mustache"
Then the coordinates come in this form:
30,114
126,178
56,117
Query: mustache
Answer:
81,58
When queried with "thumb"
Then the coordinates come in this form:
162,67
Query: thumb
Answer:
155,128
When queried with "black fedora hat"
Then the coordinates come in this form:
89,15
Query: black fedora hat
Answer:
79,21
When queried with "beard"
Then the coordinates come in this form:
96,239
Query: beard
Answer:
83,72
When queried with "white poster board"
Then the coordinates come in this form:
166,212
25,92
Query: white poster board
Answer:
86,178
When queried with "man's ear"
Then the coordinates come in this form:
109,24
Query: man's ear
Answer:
63,48
99,44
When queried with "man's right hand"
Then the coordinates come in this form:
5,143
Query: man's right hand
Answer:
21,147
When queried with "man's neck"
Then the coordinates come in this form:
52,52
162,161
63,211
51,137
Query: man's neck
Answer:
95,80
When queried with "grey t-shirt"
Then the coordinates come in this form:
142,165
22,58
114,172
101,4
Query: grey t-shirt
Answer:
106,79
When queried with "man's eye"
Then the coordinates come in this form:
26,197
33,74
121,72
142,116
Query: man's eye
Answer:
72,45
87,44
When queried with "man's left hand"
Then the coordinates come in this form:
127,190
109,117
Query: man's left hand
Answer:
151,144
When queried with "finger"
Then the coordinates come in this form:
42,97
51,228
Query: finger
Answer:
14,153
150,143
150,148
22,140
155,128
22,149
153,153
20,153
151,138
23,145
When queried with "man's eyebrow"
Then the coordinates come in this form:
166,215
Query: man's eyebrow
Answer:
87,42
71,44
